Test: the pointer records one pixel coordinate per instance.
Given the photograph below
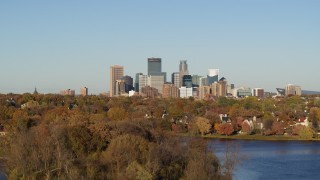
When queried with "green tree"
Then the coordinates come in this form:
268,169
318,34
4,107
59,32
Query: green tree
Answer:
117,113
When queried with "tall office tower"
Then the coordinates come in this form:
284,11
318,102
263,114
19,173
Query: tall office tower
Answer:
258,92
204,81
214,88
154,68
196,80
156,82
293,90
128,80
175,79
84,91
213,76
154,65
116,72
136,82
170,90
183,70
143,82
187,81
120,88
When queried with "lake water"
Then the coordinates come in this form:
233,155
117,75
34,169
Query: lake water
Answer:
264,160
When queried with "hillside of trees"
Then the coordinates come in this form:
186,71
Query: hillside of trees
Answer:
96,137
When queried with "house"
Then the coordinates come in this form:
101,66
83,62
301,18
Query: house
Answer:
303,121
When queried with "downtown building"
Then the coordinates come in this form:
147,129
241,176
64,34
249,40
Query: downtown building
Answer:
116,73
169,90
183,70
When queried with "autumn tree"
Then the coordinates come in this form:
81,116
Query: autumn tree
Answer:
117,113
203,125
226,129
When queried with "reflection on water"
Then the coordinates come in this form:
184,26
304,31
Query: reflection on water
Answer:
273,159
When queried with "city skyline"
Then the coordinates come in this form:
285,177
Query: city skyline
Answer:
66,45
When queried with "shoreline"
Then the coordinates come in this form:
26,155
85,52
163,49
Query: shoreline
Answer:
252,137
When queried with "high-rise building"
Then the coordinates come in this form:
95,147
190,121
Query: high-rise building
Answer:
258,92
120,88
84,91
183,70
128,80
213,76
175,79
143,82
156,82
186,92
154,66
116,72
204,81
223,87
136,82
196,80
293,90
204,91
187,81
149,92
170,90
68,92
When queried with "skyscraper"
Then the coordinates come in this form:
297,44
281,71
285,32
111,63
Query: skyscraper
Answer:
154,66
213,76
128,80
183,70
187,81
175,79
116,72
136,82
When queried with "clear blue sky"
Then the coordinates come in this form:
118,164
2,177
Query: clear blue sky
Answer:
63,44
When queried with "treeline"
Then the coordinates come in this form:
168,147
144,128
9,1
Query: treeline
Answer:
96,137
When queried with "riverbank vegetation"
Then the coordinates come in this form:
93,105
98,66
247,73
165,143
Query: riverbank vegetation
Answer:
96,137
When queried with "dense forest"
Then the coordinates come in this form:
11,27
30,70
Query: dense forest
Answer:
97,137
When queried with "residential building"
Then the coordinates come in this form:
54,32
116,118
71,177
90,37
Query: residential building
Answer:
116,72
258,92
186,92
204,91
68,92
143,82
170,90
84,91
150,92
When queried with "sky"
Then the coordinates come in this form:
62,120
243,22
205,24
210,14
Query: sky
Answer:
69,44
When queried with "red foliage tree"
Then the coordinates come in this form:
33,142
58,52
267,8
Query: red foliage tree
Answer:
278,128
225,129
